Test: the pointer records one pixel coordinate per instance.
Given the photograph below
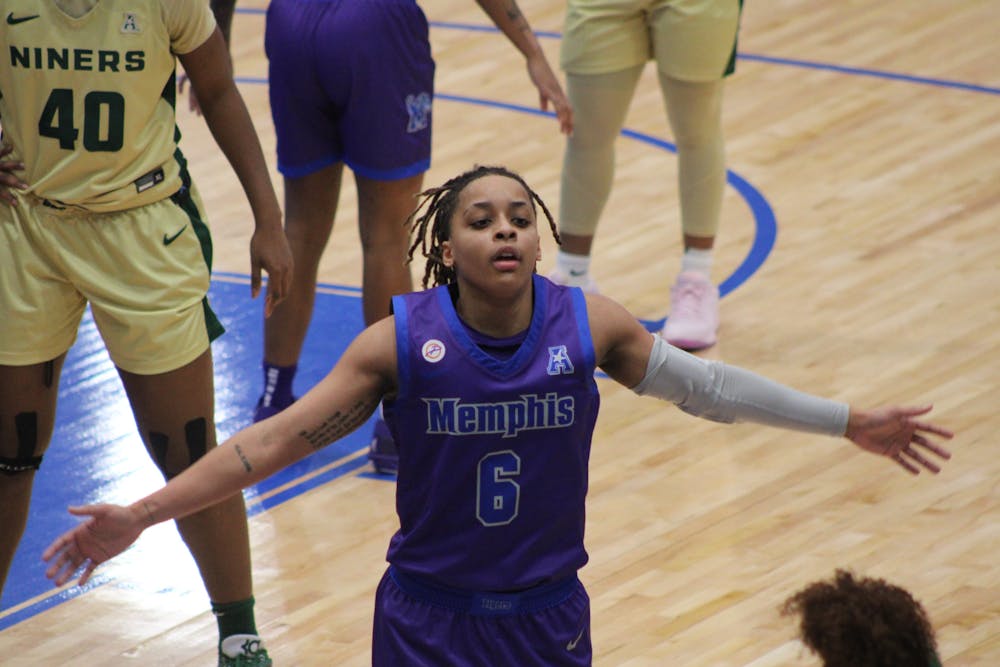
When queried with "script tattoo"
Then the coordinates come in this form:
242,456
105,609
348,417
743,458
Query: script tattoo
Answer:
338,424
244,459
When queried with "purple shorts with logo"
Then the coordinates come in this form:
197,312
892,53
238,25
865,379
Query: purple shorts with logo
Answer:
350,81
419,624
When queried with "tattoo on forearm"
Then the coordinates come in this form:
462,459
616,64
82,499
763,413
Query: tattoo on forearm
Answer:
338,425
243,459
513,12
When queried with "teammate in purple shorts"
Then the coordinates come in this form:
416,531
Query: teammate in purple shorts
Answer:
353,83
492,470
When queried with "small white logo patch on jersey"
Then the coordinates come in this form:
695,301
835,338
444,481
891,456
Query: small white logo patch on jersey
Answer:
433,351
130,25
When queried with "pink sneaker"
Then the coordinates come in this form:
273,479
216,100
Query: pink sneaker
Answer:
587,284
694,312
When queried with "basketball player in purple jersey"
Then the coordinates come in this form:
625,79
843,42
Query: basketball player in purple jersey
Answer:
488,387
353,83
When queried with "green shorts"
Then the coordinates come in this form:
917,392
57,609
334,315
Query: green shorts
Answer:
144,271
690,40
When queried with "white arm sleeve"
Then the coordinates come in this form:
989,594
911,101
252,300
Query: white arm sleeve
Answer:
724,393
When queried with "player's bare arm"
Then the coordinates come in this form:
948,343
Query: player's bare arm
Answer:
507,16
211,75
621,344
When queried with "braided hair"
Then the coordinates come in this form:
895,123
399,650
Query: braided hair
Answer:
433,227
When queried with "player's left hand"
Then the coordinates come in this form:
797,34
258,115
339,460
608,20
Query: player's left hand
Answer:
895,433
549,90
269,250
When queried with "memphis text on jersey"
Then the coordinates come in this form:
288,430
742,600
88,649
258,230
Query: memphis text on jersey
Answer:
449,416
78,60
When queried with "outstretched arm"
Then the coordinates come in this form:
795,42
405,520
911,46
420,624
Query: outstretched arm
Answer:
725,393
340,403
227,117
507,16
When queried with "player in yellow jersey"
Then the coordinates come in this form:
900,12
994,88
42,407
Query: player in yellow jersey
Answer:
102,211
606,46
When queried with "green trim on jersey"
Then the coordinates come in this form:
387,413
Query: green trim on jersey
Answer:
731,65
186,202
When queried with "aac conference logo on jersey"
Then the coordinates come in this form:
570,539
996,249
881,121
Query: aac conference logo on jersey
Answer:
433,351
130,24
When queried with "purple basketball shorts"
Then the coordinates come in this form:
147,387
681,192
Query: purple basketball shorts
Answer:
420,624
350,82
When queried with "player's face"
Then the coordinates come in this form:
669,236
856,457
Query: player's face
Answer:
494,232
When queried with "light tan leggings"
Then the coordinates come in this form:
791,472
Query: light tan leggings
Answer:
600,102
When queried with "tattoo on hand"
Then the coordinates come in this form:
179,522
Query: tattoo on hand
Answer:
244,459
338,425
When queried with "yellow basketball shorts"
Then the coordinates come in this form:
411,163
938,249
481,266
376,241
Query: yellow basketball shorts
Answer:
145,273
690,40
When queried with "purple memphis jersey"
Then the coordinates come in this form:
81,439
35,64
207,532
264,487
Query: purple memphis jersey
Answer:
493,453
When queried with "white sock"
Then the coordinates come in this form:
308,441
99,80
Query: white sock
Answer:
576,268
699,261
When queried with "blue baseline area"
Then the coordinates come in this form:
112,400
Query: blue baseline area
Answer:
96,454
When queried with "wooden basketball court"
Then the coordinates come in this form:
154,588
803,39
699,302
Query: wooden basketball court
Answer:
868,135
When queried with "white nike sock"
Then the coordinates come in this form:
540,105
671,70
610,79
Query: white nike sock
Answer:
576,268
699,261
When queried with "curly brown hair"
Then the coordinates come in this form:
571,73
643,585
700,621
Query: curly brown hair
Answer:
863,622
430,229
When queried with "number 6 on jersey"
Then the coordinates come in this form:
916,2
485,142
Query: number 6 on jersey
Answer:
497,495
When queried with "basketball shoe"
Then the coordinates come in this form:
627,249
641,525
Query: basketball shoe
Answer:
693,323
243,651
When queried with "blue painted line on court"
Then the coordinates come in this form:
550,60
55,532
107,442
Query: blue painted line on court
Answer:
873,73
51,601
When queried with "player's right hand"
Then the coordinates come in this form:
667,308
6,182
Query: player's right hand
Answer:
108,532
